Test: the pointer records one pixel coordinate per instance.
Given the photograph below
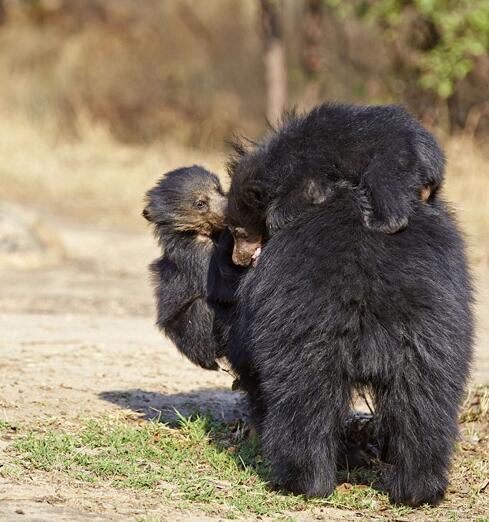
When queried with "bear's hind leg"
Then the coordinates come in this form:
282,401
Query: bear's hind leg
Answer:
301,430
418,413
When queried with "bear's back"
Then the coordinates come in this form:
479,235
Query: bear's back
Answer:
330,264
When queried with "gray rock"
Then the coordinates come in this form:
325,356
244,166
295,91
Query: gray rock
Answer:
26,242
16,233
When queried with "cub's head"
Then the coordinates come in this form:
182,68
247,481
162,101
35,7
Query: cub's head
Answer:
265,195
187,200
248,199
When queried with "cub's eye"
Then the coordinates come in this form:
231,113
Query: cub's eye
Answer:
200,204
240,233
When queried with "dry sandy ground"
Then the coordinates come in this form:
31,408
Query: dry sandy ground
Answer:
78,340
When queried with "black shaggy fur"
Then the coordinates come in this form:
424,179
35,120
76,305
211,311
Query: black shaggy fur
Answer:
334,304
380,149
186,208
223,280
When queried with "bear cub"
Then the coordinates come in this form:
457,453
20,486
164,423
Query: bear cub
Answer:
186,208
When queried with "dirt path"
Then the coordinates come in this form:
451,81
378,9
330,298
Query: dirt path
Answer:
78,341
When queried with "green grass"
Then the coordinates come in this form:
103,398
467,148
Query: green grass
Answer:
195,462
200,463
4,425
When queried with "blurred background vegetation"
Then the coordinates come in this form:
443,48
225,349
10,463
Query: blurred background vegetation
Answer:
194,72
97,97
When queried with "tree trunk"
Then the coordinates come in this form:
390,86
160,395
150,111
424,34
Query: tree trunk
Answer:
456,114
274,60
312,49
2,12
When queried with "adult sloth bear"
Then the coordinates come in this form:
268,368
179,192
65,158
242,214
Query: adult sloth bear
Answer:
338,301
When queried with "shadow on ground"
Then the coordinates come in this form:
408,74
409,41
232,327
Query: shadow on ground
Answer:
222,405
357,458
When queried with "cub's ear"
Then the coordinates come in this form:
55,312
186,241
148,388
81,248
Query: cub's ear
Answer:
313,193
255,194
294,203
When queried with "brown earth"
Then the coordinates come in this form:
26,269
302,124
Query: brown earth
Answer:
78,340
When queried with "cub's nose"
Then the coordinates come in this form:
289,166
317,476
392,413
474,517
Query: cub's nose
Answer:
145,214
